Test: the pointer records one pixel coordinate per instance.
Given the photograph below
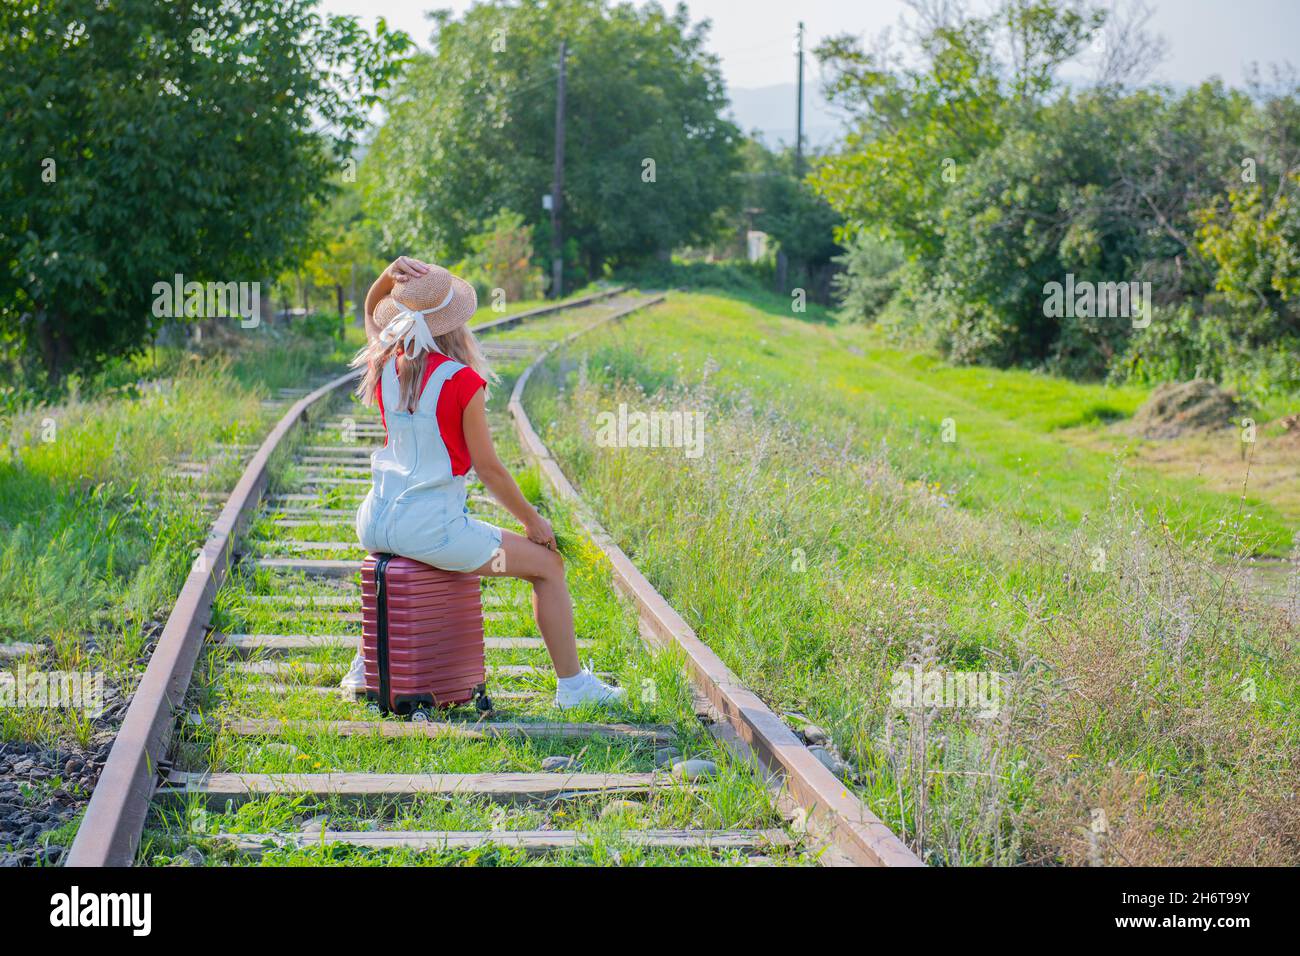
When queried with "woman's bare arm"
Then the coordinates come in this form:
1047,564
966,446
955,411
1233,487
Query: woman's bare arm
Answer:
495,477
401,269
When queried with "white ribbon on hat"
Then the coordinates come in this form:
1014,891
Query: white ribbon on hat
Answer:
410,328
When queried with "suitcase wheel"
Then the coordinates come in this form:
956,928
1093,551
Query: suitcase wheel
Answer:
420,715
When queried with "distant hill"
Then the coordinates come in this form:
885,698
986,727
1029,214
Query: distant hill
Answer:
770,110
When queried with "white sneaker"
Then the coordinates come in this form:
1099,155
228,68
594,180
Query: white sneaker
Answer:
585,687
355,679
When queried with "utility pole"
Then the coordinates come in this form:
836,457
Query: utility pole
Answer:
557,187
798,136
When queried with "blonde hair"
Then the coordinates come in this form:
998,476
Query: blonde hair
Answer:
459,344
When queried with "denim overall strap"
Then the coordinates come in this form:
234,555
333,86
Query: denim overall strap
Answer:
433,388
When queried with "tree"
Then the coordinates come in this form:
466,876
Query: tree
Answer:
917,125
1099,186
142,140
344,258
649,160
801,222
501,257
1250,229
1256,245
996,183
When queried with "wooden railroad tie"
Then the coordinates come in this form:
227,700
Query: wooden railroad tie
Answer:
345,693
317,567
216,789
290,668
470,730
491,598
247,644
533,842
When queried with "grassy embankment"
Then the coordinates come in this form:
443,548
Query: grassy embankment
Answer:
98,509
829,536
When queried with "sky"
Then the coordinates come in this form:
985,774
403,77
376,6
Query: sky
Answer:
754,39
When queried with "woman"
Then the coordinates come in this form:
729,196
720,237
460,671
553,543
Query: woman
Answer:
423,368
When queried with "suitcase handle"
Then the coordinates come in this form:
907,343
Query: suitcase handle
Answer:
381,630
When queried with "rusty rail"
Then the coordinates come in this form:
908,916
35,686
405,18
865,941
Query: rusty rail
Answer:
507,321
834,814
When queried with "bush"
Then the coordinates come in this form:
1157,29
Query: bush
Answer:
501,257
732,275
870,278
1219,343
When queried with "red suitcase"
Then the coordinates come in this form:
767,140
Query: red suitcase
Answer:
421,636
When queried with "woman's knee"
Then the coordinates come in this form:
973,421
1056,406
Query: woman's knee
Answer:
527,560
550,565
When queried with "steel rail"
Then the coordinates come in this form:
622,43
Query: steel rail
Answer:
506,321
834,814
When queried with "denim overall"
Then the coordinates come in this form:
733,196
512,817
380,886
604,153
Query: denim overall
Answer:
416,506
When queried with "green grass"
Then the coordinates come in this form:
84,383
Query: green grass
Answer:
187,825
1008,455
828,539
98,531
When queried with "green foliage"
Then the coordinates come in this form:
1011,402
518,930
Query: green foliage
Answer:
871,276
501,257
802,224
1241,348
530,484
143,140
734,275
1255,245
344,257
994,184
916,124
471,130
98,530
88,511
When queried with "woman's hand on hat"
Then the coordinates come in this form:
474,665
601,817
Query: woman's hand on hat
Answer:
404,267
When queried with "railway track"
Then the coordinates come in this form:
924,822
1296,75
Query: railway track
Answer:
238,747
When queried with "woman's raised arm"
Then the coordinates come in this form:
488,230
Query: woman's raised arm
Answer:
496,479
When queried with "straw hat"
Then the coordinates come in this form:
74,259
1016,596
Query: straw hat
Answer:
437,299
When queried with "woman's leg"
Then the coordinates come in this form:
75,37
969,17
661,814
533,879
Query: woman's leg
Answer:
544,570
